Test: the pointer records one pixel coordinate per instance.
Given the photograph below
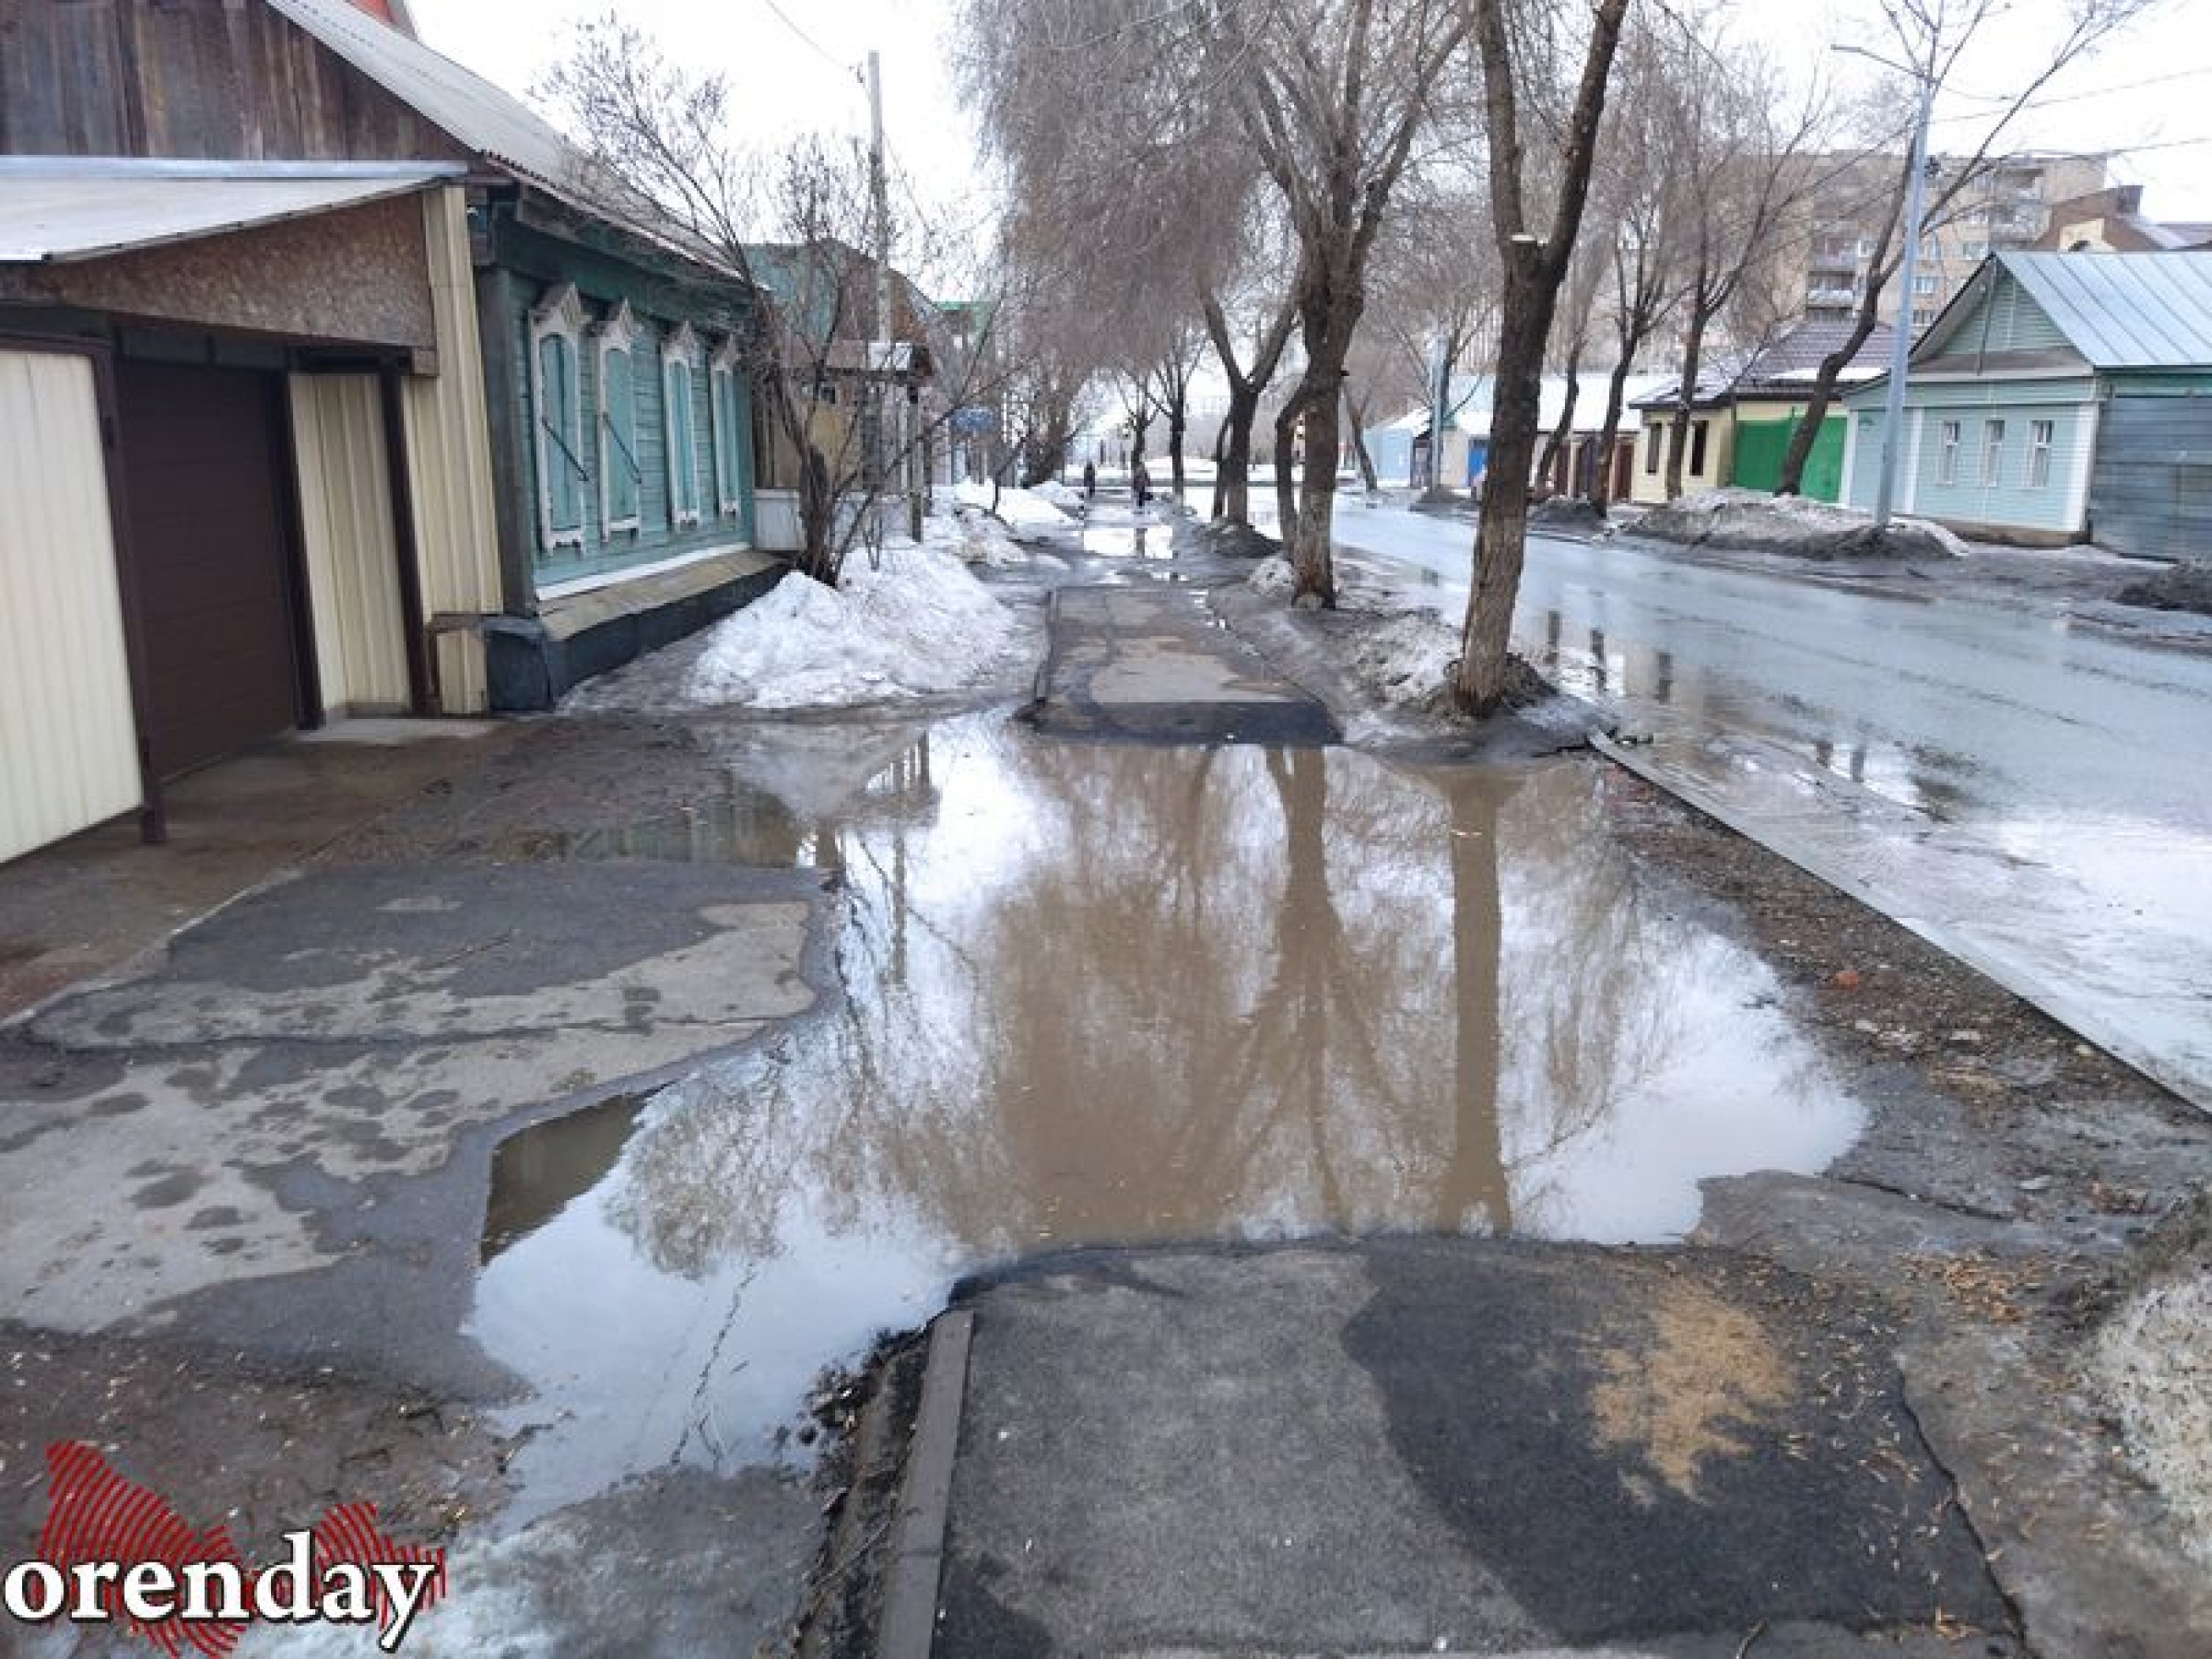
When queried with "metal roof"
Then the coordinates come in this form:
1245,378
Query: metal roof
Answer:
1472,397
494,123
59,209
2124,310
490,121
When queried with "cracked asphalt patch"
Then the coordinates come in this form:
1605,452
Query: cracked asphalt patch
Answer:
238,1112
1482,1446
1153,664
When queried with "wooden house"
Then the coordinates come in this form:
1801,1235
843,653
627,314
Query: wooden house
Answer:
2059,398
295,316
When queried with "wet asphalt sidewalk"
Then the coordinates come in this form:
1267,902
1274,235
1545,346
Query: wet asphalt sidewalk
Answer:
1433,1445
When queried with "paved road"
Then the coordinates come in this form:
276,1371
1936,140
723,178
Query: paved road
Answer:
2066,775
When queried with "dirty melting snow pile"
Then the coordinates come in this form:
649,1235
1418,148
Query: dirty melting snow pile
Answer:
1736,517
912,622
2153,1364
1405,660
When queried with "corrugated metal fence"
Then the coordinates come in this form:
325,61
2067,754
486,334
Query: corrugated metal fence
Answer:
69,755
2150,495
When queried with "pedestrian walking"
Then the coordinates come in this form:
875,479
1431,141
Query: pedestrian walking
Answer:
1090,480
1141,482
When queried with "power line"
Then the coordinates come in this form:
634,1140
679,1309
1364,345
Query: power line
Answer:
820,51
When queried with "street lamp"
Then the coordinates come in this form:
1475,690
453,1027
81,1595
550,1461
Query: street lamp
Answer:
1900,344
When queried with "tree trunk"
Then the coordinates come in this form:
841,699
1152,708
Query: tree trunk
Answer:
1286,495
1310,561
1608,435
1678,430
1807,432
1358,417
1555,440
1175,446
1501,534
1232,495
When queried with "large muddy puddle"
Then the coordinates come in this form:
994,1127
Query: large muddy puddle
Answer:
1100,994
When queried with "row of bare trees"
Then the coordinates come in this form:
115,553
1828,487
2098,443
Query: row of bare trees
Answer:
1336,201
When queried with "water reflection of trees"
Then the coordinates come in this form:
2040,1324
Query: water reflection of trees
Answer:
1233,991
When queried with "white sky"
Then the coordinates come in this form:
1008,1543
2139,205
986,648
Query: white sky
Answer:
2143,96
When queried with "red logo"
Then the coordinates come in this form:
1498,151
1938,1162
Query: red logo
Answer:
113,1551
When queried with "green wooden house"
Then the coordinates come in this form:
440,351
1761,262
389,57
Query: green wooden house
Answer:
2059,398
1770,399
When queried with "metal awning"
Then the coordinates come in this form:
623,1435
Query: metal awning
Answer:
61,209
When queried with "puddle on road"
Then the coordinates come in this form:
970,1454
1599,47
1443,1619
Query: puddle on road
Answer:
1106,994
1125,541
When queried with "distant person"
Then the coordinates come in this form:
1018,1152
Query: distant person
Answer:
1141,482
1090,481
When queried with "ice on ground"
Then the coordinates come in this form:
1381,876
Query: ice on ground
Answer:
910,622
1027,515
1273,578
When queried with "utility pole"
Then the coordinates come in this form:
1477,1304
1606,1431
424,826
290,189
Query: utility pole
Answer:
1900,340
888,437
1439,396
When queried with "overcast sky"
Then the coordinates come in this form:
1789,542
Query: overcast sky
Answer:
2142,97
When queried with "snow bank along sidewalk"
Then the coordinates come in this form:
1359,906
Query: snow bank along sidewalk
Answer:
1752,520
909,621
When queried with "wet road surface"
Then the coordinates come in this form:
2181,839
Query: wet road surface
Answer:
2066,775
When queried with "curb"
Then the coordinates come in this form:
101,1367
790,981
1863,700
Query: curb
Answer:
909,1629
2023,984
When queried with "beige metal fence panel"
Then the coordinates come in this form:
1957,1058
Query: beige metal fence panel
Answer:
69,755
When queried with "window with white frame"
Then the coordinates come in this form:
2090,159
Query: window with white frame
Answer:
620,476
557,325
1925,282
680,425
726,406
1993,440
2039,435
1947,453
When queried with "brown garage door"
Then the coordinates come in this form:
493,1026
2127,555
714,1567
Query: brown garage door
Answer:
215,579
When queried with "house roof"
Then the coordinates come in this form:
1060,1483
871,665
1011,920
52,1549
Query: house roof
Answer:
2123,310
2115,310
1472,394
54,209
492,122
1715,381
1790,363
1784,368
489,120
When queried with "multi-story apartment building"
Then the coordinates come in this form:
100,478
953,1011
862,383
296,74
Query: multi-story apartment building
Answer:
2006,204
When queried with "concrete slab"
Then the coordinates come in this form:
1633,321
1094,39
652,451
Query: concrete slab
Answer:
2132,987
1153,664
1442,1445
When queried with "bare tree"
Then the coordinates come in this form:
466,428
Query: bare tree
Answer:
1645,206
1248,371
790,225
1331,94
1578,294
1534,267
1931,37
1747,160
